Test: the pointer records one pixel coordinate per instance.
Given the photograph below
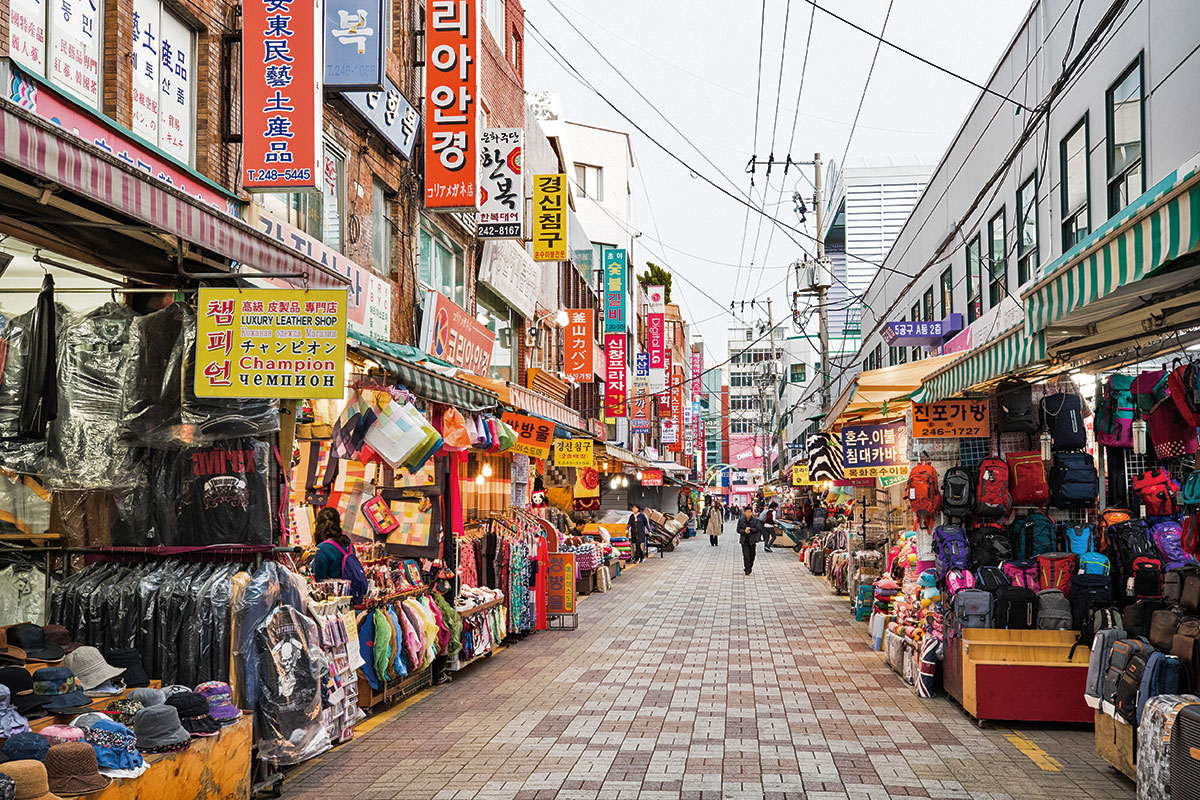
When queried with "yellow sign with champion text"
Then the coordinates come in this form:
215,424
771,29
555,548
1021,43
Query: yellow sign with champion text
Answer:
951,419
288,343
572,452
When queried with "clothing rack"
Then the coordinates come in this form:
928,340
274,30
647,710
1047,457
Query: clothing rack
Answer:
375,602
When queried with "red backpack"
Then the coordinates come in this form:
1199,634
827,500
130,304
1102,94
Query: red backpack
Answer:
992,498
1029,487
1055,571
924,495
1157,489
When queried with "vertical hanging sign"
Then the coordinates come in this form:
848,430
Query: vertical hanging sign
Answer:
451,89
615,373
578,345
281,94
696,364
664,394
550,217
656,336
614,291
501,189
675,411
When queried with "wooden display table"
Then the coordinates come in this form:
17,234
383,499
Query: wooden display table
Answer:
1116,743
1017,675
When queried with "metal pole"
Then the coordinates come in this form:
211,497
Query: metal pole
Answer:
770,431
822,301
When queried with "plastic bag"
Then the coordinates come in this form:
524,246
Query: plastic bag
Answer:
291,670
508,437
17,454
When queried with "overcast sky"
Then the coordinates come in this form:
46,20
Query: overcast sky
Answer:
698,64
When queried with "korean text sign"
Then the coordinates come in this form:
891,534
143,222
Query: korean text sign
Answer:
271,343
578,350
572,452
164,79
872,451
550,217
281,94
656,337
676,414
639,410
501,190
614,290
560,584
451,334
800,476
534,435
952,419
452,89
354,46
615,374
652,477
390,114
697,364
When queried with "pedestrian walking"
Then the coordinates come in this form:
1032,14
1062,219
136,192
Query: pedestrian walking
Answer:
637,527
716,522
747,528
767,518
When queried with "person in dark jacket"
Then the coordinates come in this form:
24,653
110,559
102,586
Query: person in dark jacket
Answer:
638,526
767,518
747,528
327,564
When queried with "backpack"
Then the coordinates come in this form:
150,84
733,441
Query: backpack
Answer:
922,491
1079,540
973,608
1101,643
1149,389
1114,413
990,545
951,549
1189,495
1146,578
1021,573
1174,581
1126,542
1016,608
1109,517
1032,535
1189,537
1028,478
1073,481
1164,624
959,579
1128,685
992,498
1087,592
1120,655
1056,569
1094,564
1136,617
1053,611
1062,415
1014,404
352,570
989,579
958,499
1179,390
1161,676
1157,490
1168,539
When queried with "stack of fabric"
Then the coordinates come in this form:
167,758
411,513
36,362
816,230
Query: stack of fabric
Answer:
622,547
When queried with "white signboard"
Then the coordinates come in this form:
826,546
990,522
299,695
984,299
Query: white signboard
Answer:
176,81
27,34
501,188
146,36
508,269
74,52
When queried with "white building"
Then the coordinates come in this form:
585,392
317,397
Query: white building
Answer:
752,370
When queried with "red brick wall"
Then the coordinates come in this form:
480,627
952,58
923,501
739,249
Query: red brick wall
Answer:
501,85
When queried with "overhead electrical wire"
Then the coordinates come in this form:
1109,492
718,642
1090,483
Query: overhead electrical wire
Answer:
867,84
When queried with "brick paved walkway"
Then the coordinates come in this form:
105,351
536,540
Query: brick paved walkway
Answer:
691,680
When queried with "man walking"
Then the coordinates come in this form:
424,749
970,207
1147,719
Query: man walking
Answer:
637,527
767,518
747,528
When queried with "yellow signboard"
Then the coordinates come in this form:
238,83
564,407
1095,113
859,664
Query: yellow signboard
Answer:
572,452
271,343
550,217
800,476
951,419
884,471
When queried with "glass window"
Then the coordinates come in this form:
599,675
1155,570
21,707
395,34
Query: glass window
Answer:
974,288
1027,238
590,180
517,54
927,304
492,12
333,206
498,317
915,314
382,229
442,263
1126,132
878,356
997,258
303,210
947,290
1076,222
163,58
797,373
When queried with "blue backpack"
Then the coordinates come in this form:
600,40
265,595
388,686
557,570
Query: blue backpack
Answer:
1079,540
1161,676
1094,564
352,570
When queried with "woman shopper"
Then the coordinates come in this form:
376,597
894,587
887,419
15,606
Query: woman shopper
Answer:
332,545
716,521
747,528
767,518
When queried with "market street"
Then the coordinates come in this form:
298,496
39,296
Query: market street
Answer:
690,679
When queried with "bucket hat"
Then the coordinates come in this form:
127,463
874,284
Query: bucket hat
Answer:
85,721
220,701
90,667
60,691
8,787
12,721
194,714
147,697
116,749
10,653
72,770
58,734
20,687
123,710
158,730
29,780
58,636
129,658
32,640
26,747
174,688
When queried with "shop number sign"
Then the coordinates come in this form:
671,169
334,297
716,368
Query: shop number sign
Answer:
800,476
560,584
271,343
874,451
951,419
534,435
572,452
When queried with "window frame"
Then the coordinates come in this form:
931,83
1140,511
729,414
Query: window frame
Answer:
997,267
974,279
946,285
1027,257
339,201
1111,179
927,304
389,226
439,237
1069,216
584,186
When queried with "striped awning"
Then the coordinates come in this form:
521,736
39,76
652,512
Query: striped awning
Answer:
1011,350
422,381
1158,227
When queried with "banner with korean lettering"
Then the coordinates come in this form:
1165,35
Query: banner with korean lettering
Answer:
656,337
952,419
572,452
451,107
697,429
615,374
550,217
451,334
800,476
354,45
689,431
696,370
874,451
560,584
639,410
664,394
579,345
675,411
641,370
501,185
271,343
534,435
614,290
670,433
281,94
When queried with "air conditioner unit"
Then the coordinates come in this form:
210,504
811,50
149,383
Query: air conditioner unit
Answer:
1185,754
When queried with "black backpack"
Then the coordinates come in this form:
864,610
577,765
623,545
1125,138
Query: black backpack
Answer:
1074,482
1126,542
1014,401
1136,617
1087,591
1062,414
989,579
1098,616
1016,608
990,545
958,494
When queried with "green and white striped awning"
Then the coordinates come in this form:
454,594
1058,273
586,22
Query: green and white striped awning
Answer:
1010,351
1158,227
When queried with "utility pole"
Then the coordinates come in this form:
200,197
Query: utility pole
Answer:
770,384
821,287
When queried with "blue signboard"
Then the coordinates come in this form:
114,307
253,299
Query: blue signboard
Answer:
872,451
354,48
614,291
390,114
922,333
641,366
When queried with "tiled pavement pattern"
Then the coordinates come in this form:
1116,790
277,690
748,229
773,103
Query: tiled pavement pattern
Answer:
689,679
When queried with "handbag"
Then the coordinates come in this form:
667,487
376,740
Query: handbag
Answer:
317,495
379,516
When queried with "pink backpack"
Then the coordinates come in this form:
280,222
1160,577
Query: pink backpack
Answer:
959,579
1022,573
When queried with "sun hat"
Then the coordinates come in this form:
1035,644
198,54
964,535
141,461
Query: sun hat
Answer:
72,770
174,688
26,746
11,721
8,788
159,731
58,636
131,660
58,734
60,691
194,714
90,667
220,701
20,687
116,749
29,779
10,654
32,640
147,697
123,710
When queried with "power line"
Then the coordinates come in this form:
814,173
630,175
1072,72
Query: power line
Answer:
866,85
762,27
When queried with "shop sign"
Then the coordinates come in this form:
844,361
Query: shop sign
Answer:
669,433
27,34
641,370
451,334
534,435
74,52
452,89
922,333
615,374
550,217
578,345
501,186
560,583
656,337
664,394
271,343
696,370
572,452
614,290
390,114
872,451
163,79
696,420
858,483
354,36
676,413
689,435
960,343
891,480
800,476
508,269
652,477
586,488
952,419
639,410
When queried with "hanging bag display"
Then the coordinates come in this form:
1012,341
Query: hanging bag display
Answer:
395,435
1014,402
1079,539
992,498
958,496
922,492
1055,571
1167,536
455,432
1032,535
379,516
951,549
1170,433
1022,573
1157,489
1027,474
990,545
1114,416
1062,416
1074,482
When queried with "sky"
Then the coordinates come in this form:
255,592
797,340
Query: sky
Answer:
697,65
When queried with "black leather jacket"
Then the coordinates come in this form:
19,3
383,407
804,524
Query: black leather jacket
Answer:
748,528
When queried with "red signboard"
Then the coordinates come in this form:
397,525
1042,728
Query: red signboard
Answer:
560,584
664,397
451,334
615,372
281,94
655,326
639,410
452,89
652,477
578,345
